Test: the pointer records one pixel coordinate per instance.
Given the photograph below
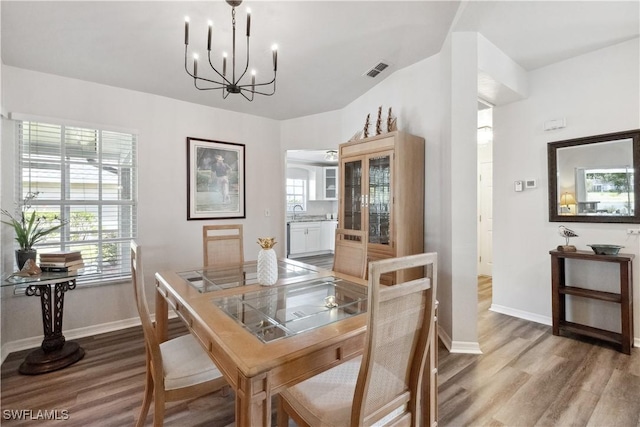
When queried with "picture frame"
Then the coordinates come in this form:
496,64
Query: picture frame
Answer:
215,179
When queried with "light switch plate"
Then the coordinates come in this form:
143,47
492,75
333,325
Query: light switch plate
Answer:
518,186
555,124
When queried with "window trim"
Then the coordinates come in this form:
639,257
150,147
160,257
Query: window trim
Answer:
95,278
305,191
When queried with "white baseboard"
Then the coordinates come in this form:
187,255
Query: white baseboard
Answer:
466,347
444,337
458,346
71,334
533,317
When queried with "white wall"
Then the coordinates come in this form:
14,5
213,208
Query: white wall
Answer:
169,240
597,93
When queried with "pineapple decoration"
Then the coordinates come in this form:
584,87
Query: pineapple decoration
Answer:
267,261
379,121
365,133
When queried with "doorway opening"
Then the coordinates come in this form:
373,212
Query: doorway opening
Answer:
485,189
311,194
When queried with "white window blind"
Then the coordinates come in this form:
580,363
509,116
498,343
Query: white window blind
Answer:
87,177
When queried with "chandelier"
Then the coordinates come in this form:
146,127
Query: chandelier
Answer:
229,84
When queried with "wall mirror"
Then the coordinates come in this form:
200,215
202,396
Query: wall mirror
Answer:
595,179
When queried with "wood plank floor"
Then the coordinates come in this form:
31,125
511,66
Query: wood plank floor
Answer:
526,377
322,261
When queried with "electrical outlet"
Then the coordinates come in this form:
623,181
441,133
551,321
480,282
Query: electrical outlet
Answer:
634,231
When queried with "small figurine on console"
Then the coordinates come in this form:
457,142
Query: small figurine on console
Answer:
567,233
30,268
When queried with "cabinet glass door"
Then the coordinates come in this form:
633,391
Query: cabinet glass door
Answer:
352,215
331,183
379,199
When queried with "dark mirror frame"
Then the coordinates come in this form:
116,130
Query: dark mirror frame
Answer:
552,163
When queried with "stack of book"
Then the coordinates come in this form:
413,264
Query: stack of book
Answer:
61,261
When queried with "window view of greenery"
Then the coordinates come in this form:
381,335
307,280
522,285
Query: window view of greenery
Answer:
296,194
609,191
87,178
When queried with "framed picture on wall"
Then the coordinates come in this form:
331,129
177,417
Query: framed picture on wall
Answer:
215,179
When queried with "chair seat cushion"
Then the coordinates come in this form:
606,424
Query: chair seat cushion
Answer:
185,363
325,399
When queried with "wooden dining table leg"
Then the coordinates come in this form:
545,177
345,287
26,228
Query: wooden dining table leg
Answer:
253,401
162,316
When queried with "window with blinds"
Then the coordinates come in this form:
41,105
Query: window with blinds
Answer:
86,177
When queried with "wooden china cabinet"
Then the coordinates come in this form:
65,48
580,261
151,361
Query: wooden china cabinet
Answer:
382,192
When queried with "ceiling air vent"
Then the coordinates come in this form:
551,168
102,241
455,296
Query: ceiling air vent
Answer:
377,69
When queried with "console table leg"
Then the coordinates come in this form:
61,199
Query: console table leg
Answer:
558,303
55,352
626,307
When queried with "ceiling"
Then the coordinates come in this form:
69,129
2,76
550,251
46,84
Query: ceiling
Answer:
312,156
325,47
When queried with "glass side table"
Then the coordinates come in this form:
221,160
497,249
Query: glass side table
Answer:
55,352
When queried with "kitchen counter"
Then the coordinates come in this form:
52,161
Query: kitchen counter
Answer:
310,218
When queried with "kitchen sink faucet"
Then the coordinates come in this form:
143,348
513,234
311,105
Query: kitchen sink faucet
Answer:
294,210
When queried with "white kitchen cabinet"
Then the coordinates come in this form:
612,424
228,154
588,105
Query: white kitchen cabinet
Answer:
314,238
329,235
330,183
323,183
305,238
297,240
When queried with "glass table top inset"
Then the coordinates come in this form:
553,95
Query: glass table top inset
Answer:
282,311
218,278
42,278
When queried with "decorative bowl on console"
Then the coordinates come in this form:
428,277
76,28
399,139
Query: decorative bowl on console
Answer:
606,249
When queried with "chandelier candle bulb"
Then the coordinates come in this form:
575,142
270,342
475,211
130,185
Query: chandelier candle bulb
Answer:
209,36
186,30
224,64
253,80
274,48
195,65
248,21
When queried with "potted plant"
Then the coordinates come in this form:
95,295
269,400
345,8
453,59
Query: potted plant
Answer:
30,229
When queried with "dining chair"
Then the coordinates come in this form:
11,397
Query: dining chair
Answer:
177,369
383,386
222,244
350,254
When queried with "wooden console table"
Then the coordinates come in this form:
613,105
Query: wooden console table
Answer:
625,298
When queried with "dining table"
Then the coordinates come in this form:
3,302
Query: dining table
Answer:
266,338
